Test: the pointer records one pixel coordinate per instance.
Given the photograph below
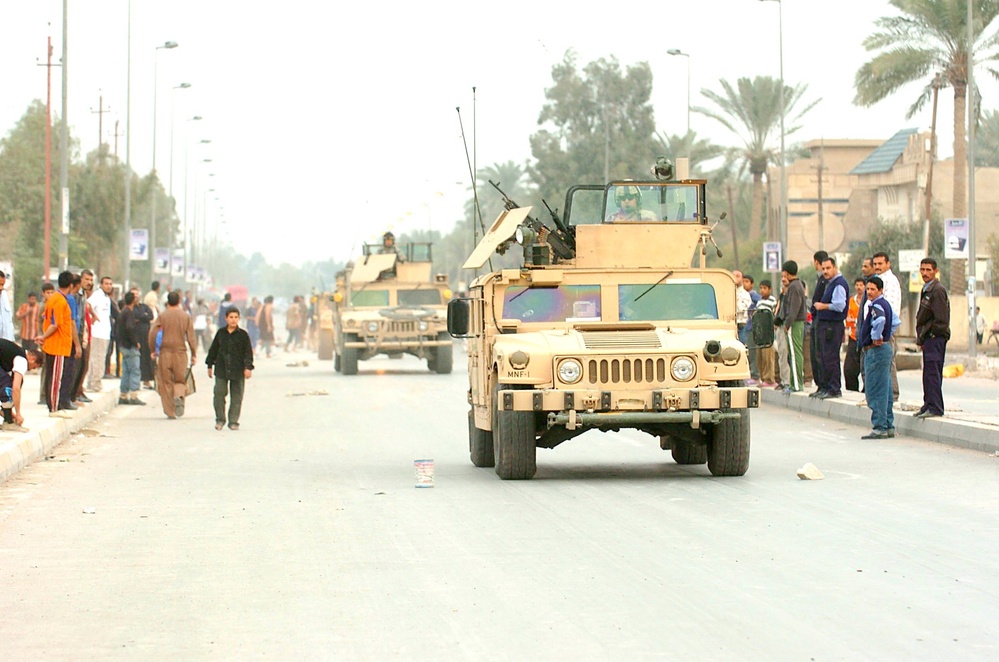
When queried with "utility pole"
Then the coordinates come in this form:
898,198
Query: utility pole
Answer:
116,136
972,256
64,146
929,173
820,169
100,126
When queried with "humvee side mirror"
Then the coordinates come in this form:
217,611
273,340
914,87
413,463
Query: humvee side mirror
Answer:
763,328
458,313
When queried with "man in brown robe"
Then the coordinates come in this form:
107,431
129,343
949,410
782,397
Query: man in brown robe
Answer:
171,353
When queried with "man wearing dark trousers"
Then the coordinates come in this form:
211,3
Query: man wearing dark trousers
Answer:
813,341
827,329
932,334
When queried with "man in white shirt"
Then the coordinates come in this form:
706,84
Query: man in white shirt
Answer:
6,311
100,333
893,295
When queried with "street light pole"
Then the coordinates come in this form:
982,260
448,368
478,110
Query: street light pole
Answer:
677,51
783,211
152,187
187,167
173,203
972,256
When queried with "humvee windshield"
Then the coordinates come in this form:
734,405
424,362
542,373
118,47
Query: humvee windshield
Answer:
552,304
677,202
667,301
369,298
624,202
424,297
640,302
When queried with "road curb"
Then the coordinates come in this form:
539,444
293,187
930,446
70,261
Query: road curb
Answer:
18,450
964,434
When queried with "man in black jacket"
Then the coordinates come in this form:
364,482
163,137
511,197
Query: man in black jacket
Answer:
932,334
231,355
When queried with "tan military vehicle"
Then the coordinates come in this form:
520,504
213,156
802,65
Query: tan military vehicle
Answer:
609,324
391,303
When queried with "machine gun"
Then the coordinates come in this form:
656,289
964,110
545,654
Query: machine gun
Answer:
561,241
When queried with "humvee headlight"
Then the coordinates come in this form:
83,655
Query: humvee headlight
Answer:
519,360
682,369
569,371
372,327
730,355
423,326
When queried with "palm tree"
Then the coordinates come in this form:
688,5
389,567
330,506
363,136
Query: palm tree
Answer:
752,111
930,38
697,150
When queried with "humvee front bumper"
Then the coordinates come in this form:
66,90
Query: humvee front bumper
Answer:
396,343
627,408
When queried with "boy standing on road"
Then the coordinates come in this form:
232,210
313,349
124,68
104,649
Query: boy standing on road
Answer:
875,333
793,313
231,356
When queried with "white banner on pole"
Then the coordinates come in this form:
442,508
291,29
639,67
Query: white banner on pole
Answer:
161,263
139,245
771,256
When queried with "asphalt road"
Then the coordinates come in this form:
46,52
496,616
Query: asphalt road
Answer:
302,536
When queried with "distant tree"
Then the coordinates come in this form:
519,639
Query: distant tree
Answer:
987,140
596,125
751,110
927,39
992,248
698,150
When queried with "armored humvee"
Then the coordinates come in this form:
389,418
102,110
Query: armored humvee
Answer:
610,323
391,303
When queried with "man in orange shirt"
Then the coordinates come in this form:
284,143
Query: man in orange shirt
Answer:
57,343
851,364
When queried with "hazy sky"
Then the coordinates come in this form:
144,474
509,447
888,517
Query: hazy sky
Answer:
332,122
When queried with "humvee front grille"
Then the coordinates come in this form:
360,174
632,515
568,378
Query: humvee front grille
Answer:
626,371
618,339
401,327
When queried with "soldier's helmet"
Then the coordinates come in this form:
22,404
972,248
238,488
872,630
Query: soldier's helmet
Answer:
387,236
625,192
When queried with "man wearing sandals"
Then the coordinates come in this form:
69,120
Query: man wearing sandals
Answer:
170,354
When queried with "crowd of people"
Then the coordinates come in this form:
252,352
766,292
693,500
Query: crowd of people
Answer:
78,334
811,331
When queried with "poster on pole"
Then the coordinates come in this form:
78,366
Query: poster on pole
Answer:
908,260
177,264
956,239
192,273
771,256
139,245
161,260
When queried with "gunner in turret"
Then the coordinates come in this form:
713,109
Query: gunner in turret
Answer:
629,203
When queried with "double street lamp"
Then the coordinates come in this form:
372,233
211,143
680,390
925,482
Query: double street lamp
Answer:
152,203
677,51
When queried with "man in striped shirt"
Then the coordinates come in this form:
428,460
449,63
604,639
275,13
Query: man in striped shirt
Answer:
765,355
28,314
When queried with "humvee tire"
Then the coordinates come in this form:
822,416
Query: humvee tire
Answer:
443,356
325,346
348,360
728,450
514,443
480,444
336,362
685,452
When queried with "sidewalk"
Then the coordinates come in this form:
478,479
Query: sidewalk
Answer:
971,416
18,449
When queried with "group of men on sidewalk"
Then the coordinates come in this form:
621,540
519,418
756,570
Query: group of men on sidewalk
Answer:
866,321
